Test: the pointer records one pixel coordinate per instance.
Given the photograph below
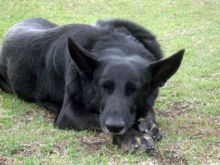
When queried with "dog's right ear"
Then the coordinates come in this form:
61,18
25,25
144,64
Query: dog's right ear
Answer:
84,60
162,70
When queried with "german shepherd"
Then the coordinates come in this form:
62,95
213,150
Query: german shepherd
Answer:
101,77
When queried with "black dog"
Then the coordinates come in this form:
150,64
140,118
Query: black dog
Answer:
103,77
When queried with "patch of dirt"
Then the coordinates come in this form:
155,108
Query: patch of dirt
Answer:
176,109
24,152
217,144
59,148
27,150
27,117
205,132
139,162
48,116
94,143
215,119
29,112
170,156
3,161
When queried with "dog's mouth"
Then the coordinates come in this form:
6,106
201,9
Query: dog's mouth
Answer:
114,131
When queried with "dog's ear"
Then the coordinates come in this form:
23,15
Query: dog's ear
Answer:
84,60
162,70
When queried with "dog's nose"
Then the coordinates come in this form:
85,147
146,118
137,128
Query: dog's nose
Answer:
114,126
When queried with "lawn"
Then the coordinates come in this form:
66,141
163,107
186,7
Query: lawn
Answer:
188,108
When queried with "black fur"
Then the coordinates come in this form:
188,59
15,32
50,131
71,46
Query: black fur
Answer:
104,76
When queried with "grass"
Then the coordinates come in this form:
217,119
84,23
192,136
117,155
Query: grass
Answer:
188,106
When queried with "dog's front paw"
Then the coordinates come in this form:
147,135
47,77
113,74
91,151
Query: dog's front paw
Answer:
138,142
142,143
150,127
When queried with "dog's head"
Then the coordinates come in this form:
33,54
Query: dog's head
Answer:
126,85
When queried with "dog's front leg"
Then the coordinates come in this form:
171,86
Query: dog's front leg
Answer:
72,116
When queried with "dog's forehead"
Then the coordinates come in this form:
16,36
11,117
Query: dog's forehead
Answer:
121,70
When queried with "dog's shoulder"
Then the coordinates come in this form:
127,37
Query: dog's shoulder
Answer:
139,32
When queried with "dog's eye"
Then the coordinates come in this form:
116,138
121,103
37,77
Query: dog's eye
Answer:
108,86
130,89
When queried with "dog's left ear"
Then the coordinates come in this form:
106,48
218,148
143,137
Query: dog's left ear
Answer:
162,70
84,60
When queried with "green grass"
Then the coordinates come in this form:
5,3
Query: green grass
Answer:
188,108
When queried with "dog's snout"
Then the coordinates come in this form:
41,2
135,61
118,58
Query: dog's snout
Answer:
114,125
